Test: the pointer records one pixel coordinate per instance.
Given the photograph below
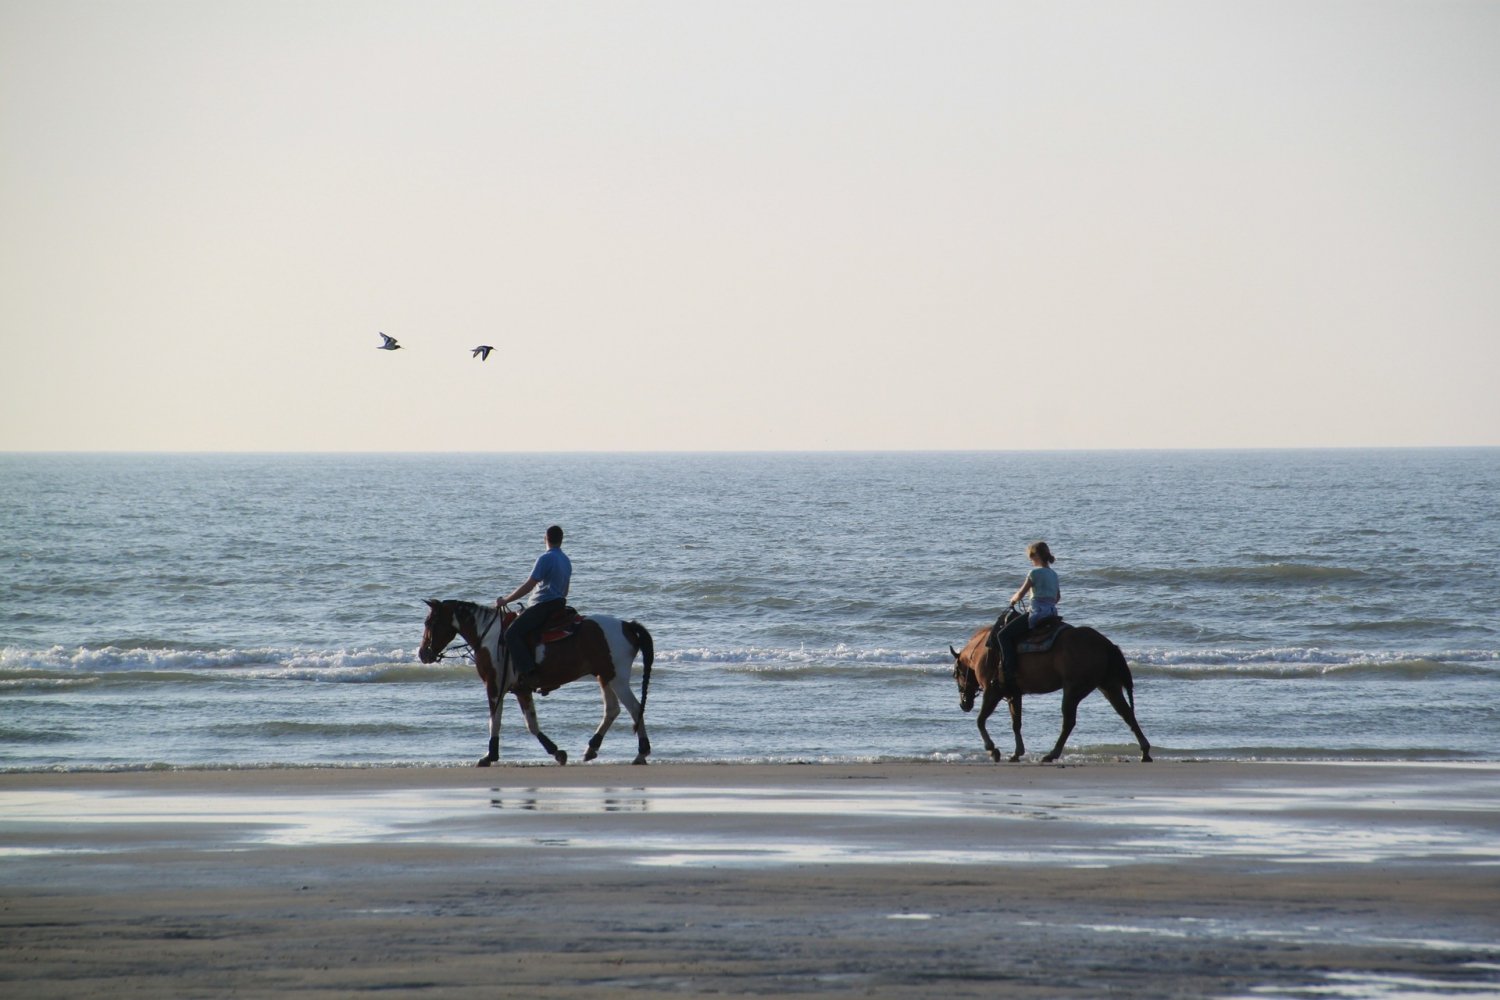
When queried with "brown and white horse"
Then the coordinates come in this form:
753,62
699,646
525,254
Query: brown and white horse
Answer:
1079,661
603,648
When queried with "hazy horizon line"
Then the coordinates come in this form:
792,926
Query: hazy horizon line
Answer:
1183,449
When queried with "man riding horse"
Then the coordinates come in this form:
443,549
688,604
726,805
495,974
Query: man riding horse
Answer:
549,579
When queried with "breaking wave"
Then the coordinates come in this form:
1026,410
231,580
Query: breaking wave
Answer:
64,668
1294,661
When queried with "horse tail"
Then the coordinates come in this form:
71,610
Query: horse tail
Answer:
1120,671
642,640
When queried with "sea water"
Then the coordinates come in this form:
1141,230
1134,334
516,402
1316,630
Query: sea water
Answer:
264,610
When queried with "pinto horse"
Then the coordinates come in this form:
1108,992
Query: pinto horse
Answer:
603,648
1079,661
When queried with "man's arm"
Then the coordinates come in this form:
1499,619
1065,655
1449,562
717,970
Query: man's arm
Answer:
519,592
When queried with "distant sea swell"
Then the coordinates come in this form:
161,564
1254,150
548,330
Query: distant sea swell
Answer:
1270,573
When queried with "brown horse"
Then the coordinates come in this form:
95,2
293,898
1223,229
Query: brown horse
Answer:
1079,661
603,648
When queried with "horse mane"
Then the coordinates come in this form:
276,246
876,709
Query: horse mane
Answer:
458,604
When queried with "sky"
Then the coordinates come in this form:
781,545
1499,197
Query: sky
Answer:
710,225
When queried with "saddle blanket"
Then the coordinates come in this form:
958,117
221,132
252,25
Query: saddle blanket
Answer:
1041,638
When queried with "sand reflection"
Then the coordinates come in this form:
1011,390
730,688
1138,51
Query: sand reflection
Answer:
765,825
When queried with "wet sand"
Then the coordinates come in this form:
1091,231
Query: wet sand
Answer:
1173,879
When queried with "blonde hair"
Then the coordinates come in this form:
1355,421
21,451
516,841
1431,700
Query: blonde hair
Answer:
1039,550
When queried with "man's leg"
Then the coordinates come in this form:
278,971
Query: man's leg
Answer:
518,636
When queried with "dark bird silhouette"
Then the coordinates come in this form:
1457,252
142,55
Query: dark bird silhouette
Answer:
389,345
482,352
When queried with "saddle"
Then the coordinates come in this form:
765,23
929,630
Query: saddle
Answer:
1041,638
563,624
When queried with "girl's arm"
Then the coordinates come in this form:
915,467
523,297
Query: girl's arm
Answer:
1025,589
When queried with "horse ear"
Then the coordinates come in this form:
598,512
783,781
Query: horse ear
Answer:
432,603
953,651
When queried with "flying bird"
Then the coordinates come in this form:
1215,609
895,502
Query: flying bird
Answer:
389,345
482,352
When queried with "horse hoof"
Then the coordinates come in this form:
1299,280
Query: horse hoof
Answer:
1049,758
640,759
591,754
1015,758
483,762
562,756
995,756
1145,758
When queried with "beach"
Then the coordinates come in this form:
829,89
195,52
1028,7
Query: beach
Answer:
1201,879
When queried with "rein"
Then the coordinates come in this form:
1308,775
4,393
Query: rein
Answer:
465,652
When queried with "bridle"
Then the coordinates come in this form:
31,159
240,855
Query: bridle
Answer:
449,651
464,651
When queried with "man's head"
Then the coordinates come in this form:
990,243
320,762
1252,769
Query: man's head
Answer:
554,536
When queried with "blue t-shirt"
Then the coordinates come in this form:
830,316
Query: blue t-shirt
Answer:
1044,585
552,572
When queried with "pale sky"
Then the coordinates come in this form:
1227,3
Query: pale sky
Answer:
706,225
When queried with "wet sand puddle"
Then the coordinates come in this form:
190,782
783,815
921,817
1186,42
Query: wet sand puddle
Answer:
685,827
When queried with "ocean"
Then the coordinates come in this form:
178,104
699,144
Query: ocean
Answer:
254,610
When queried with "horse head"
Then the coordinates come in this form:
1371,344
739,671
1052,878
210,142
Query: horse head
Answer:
968,683
437,631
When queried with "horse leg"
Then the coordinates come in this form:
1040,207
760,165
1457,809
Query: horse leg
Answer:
986,707
1070,716
528,706
1117,699
497,705
611,712
1015,724
637,713
496,696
